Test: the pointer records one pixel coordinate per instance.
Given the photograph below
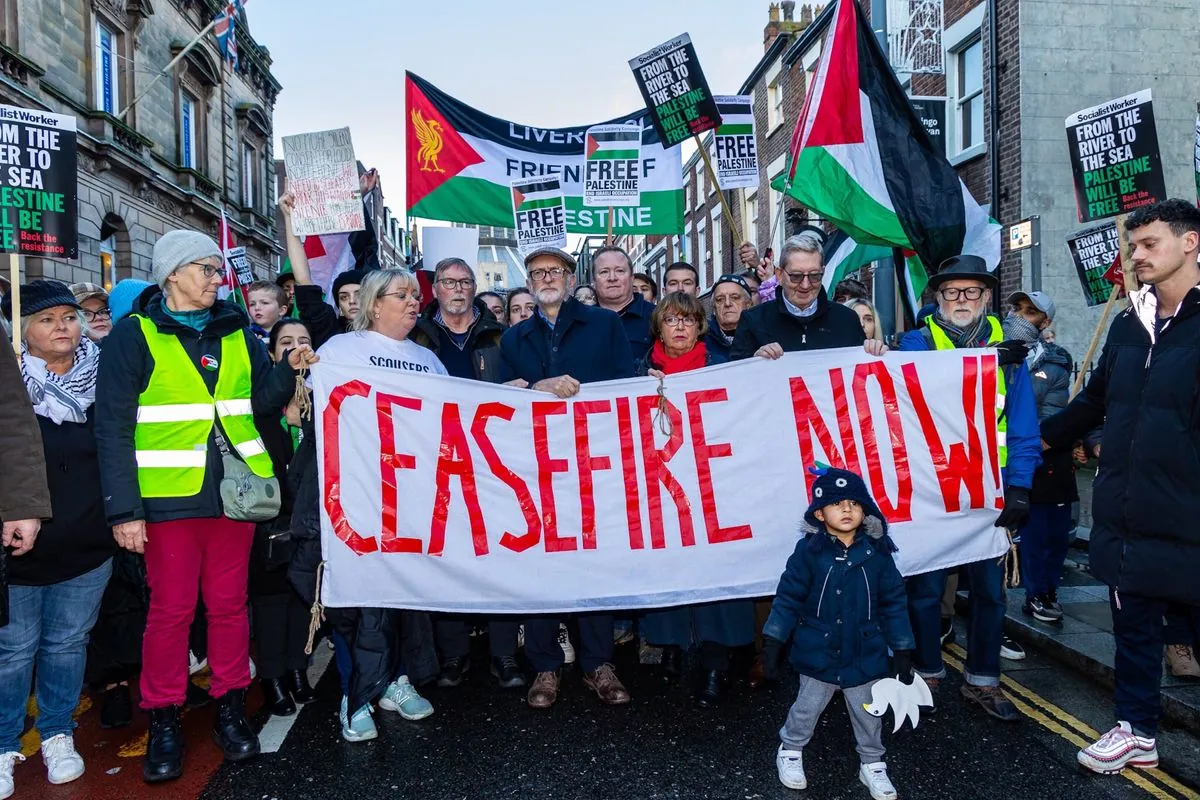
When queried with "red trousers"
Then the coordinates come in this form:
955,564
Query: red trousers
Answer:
187,558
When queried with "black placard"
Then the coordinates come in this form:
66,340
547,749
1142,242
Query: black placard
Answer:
38,183
1093,251
673,86
932,113
1114,157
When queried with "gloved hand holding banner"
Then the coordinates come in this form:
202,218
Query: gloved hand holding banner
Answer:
451,495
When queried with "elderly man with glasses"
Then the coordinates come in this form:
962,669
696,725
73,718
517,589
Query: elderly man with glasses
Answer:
963,288
801,316
565,344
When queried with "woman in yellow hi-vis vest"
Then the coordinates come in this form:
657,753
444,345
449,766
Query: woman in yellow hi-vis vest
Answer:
180,380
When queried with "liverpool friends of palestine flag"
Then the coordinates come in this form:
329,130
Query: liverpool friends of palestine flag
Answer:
861,159
461,163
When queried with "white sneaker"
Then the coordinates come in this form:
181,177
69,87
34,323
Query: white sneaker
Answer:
790,765
1011,649
520,636
253,670
1118,749
63,764
875,778
564,641
7,762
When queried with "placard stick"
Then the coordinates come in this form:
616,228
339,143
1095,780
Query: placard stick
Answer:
608,239
14,279
1131,281
712,176
1100,326
746,219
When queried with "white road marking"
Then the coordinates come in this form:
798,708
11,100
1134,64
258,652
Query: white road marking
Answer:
271,737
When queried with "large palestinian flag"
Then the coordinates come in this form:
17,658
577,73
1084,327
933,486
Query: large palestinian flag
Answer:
844,257
861,159
461,164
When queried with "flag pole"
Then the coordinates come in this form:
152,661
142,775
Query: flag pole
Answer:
170,65
712,176
14,295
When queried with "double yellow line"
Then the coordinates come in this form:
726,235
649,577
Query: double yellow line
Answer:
1154,782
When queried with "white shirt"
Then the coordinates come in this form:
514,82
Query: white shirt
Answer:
371,349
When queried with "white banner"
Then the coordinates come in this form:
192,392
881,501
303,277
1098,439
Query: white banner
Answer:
452,495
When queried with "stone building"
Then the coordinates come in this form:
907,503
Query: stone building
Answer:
200,139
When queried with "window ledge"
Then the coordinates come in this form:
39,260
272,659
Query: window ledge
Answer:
777,127
970,154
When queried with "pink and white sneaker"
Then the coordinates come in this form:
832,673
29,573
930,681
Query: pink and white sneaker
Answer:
1118,749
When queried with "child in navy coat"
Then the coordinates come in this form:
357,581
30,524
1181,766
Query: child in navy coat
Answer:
841,600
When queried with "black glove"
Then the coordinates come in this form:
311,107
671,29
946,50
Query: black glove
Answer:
1016,508
772,658
902,666
1012,352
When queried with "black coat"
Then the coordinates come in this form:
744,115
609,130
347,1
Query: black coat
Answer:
483,340
833,325
587,342
1146,498
125,369
76,539
1054,481
319,317
714,340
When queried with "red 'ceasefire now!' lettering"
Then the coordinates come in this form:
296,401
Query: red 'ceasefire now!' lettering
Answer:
705,453
533,523
333,469
963,465
454,460
901,509
389,462
587,464
654,462
547,467
810,423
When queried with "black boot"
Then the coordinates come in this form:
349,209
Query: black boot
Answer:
296,681
276,697
164,750
672,662
712,687
231,729
117,710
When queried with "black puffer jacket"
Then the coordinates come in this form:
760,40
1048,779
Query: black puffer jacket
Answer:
833,325
1054,481
1146,498
483,340
125,369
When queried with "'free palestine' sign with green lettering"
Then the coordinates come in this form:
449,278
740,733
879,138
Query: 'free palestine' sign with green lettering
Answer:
38,183
1114,157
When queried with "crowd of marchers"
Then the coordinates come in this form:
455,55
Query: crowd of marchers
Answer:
130,565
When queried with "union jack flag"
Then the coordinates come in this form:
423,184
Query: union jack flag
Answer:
226,30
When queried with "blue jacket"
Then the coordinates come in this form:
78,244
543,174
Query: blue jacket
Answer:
587,342
1024,435
843,607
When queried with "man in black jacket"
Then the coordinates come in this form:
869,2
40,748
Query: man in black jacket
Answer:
465,336
801,317
1145,544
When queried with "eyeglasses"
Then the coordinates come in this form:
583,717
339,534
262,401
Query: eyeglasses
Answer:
543,274
207,269
451,283
800,278
402,295
687,322
953,293
92,316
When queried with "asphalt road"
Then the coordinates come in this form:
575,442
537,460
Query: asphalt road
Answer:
483,742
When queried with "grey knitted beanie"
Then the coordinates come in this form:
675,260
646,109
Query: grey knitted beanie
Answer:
176,248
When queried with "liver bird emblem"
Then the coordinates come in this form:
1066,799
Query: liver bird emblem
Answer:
430,138
904,700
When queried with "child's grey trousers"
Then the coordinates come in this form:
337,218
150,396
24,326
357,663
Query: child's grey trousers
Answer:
814,695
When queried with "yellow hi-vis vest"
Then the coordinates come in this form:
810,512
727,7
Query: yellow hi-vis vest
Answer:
942,342
175,415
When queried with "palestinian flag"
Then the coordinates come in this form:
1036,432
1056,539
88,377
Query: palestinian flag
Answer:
844,257
737,115
617,143
861,159
530,196
462,162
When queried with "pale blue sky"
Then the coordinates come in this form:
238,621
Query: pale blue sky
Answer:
535,62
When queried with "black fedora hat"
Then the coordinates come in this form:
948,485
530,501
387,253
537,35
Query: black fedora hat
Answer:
964,267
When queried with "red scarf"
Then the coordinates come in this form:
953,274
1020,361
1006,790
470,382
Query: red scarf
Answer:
695,358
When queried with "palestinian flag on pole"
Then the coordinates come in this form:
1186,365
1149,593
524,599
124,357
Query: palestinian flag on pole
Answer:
844,257
231,288
861,159
618,144
462,162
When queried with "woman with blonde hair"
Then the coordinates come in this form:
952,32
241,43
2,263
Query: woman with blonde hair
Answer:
867,316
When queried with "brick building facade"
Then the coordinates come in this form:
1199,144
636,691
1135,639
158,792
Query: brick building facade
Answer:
199,141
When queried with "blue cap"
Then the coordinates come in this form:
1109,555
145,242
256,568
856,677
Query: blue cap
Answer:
123,296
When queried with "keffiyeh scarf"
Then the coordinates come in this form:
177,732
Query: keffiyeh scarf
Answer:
62,398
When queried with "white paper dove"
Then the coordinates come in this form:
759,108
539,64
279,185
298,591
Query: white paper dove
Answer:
904,700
